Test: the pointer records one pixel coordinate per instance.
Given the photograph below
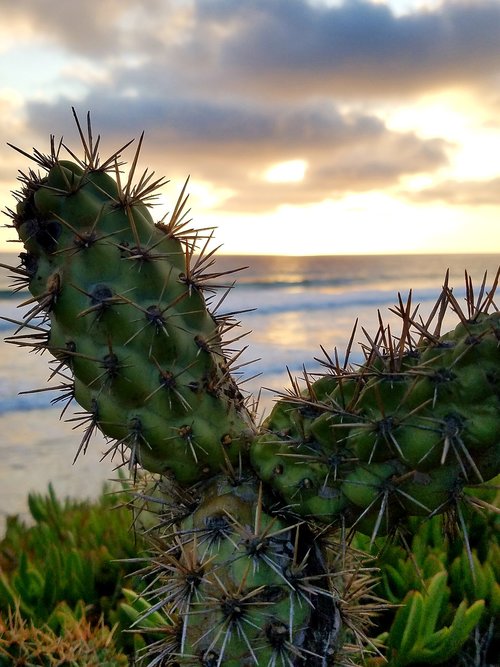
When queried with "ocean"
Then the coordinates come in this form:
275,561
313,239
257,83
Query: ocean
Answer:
290,308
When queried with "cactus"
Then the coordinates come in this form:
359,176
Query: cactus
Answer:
243,582
250,557
128,317
405,434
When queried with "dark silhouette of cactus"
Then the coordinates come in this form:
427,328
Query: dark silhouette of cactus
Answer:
251,557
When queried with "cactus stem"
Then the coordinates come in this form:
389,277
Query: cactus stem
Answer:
154,318
185,432
102,298
63,358
112,368
458,444
234,611
155,314
82,239
168,381
143,255
133,442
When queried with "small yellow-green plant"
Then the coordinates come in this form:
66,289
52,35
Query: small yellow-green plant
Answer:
445,591
75,551
68,638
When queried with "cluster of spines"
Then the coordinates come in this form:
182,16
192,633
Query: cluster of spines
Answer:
246,585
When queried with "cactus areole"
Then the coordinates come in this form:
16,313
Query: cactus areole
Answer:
124,306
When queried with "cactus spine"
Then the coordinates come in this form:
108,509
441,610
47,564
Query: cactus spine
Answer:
252,514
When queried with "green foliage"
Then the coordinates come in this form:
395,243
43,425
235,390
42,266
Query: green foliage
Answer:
72,553
414,636
68,639
445,591
73,556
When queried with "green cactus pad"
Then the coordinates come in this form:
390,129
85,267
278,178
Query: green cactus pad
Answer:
369,440
238,591
127,314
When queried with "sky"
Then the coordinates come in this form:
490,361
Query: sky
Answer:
306,126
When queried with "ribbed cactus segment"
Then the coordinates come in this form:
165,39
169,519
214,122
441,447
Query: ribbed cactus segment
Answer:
242,586
128,318
402,435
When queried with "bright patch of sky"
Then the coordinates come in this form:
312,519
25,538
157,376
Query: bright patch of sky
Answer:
399,7
291,171
38,71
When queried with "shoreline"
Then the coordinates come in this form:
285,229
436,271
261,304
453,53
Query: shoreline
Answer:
29,464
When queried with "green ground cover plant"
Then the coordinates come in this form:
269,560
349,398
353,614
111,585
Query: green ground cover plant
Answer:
93,617
62,575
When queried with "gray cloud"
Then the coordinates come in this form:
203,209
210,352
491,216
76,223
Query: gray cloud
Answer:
355,48
225,88
276,48
461,193
94,28
231,146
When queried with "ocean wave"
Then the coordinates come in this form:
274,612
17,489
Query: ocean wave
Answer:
307,283
25,403
274,303
11,295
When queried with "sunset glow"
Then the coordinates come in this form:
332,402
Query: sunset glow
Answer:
306,126
292,171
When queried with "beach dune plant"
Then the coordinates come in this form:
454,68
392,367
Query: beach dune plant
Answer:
62,572
250,557
71,551
68,638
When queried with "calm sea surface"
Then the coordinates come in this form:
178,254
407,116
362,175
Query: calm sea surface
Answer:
291,306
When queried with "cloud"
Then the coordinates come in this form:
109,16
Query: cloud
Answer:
226,88
357,48
280,48
461,193
231,146
92,28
